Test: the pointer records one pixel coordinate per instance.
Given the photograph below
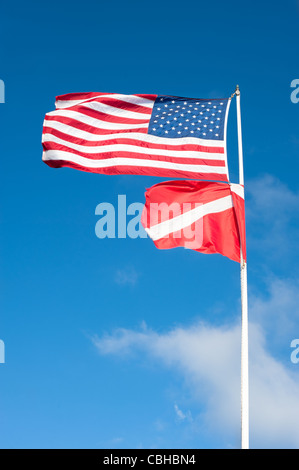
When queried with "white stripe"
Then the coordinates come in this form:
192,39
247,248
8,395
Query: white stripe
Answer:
126,98
120,161
114,111
68,113
81,134
184,220
238,189
130,148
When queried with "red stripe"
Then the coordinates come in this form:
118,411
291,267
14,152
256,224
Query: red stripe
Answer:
90,95
119,104
136,170
128,141
118,119
79,96
89,128
133,154
116,102
147,97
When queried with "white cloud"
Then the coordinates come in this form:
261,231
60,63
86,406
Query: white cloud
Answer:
126,276
268,192
277,310
181,415
208,357
179,412
209,360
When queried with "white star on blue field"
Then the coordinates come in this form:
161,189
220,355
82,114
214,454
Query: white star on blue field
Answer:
111,343
184,117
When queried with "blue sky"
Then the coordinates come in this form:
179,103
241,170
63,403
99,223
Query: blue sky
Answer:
112,343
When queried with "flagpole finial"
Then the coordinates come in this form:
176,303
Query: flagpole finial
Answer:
236,92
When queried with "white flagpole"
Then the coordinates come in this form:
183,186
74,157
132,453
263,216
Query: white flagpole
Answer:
244,304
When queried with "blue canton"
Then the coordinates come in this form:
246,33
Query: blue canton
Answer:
176,117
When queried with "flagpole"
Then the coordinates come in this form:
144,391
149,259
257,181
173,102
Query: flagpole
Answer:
244,305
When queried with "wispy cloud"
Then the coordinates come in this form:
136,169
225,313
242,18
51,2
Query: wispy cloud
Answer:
277,310
126,276
209,360
271,196
181,415
208,357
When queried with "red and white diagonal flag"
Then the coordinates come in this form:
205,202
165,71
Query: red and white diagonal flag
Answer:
205,217
156,135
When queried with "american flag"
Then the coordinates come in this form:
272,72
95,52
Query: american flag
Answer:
165,136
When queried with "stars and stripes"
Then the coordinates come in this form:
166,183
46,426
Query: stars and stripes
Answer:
138,134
